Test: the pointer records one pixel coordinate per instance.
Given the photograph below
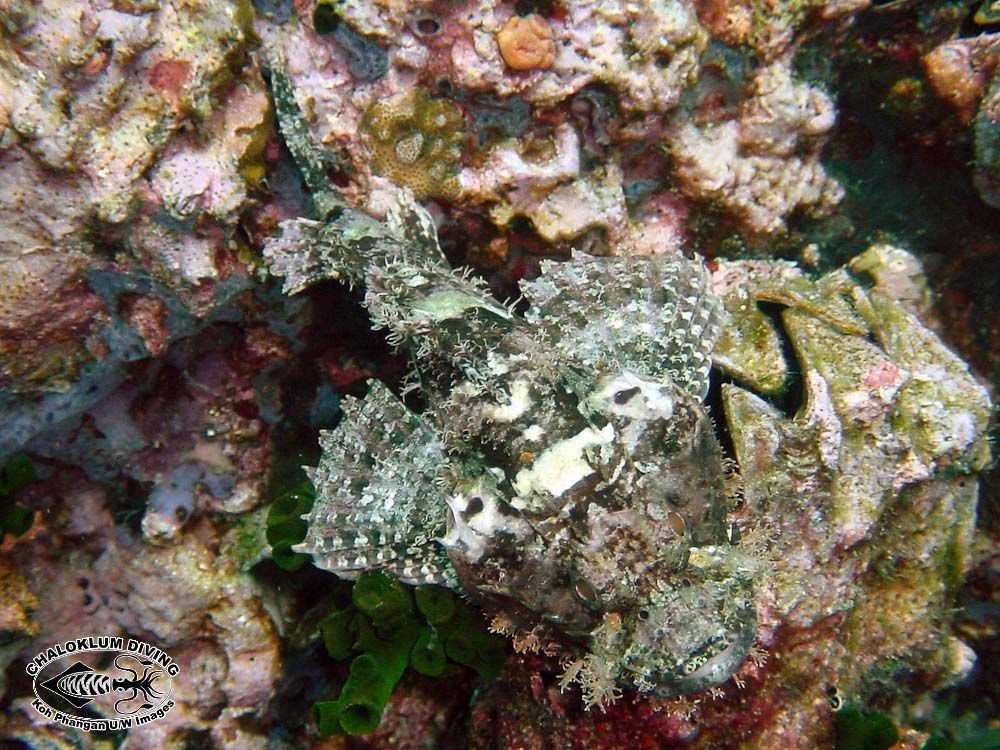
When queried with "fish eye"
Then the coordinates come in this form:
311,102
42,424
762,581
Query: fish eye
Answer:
672,498
644,614
475,506
584,591
677,523
623,397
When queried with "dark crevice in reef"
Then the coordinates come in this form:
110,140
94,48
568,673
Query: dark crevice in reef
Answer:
792,395
713,402
901,153
790,399
340,353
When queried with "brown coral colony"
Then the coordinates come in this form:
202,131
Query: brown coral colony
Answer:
526,43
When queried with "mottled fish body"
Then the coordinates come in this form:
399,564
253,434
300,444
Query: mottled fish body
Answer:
565,472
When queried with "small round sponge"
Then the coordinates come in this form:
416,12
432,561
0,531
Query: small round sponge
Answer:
526,42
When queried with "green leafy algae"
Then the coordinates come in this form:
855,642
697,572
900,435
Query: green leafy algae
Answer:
388,627
863,730
16,474
285,526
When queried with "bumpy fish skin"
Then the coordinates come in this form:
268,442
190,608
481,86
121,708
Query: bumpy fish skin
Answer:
565,472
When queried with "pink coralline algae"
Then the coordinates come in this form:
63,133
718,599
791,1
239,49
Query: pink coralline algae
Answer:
966,74
764,163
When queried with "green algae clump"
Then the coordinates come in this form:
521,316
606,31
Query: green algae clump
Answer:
285,526
416,141
16,474
388,627
863,730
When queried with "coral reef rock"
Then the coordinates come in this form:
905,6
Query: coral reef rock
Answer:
763,164
863,500
187,598
706,492
130,140
966,73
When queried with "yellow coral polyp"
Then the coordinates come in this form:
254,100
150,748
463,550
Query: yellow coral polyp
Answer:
416,141
526,42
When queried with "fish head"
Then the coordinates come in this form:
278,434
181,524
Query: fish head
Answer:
664,460
614,540
682,634
652,557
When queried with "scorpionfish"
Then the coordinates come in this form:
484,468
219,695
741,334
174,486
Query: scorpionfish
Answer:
565,473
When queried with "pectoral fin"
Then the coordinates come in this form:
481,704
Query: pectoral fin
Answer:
377,505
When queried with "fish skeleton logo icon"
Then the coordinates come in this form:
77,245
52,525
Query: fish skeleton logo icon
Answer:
78,685
133,690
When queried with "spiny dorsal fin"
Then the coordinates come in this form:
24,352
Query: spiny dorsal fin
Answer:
377,506
414,226
656,317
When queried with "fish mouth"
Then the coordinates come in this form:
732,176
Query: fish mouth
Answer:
716,669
